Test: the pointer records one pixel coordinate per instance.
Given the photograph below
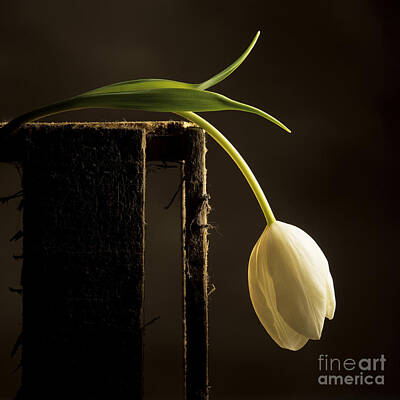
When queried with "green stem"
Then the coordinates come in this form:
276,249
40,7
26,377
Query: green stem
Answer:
237,158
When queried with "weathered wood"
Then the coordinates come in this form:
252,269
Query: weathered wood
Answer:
165,140
195,280
83,254
83,263
188,145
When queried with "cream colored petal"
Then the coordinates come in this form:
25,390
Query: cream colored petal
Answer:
262,294
330,297
330,291
296,266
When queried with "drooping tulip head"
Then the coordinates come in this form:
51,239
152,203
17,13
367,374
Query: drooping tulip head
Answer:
290,285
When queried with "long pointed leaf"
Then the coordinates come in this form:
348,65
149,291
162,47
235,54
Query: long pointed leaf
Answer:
145,84
163,100
228,70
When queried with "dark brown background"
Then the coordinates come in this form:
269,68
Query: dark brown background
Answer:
324,68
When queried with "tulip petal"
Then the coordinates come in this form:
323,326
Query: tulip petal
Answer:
297,267
290,285
262,294
330,297
330,290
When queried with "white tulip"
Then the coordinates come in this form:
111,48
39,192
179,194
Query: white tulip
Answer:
290,285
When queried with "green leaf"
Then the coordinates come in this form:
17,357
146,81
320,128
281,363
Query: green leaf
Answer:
228,70
162,100
141,84
145,84
153,95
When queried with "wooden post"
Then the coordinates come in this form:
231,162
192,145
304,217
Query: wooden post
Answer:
195,279
83,271
189,146
83,263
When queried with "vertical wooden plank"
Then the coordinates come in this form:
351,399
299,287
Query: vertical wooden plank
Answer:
194,235
83,263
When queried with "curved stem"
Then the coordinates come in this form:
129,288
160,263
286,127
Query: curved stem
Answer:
237,158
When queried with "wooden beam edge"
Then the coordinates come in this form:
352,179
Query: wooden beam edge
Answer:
164,139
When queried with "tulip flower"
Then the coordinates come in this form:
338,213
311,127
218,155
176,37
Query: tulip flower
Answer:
289,280
290,285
